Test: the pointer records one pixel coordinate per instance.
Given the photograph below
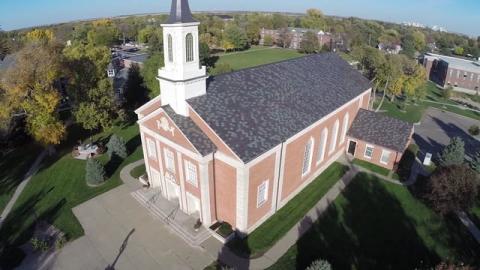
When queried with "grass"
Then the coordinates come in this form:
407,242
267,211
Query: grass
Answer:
257,56
413,112
138,171
265,236
60,185
13,167
374,224
371,167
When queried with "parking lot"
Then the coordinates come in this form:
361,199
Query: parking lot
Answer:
437,128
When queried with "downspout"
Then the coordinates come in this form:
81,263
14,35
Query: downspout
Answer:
278,178
214,186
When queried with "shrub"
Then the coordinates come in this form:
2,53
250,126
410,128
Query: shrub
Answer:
474,130
116,145
447,92
319,265
451,189
60,242
268,41
39,244
95,173
453,154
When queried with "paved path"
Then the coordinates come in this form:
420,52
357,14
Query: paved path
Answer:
459,106
121,234
28,176
225,255
470,225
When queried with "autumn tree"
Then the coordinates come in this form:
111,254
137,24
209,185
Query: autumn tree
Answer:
40,36
309,43
452,189
30,90
103,33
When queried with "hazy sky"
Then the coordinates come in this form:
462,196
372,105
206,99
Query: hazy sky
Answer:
455,15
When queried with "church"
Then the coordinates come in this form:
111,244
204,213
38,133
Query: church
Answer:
237,147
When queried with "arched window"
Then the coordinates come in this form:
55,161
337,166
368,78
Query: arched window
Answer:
322,146
307,157
189,47
333,144
170,48
346,118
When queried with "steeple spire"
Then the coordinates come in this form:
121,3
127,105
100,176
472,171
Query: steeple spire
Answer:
180,13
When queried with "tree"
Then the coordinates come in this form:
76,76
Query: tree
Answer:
459,51
309,43
103,35
30,89
279,21
319,265
98,109
236,37
205,57
149,73
285,38
145,34
116,146
370,60
452,189
453,154
419,40
314,20
40,36
4,50
221,68
268,40
135,92
476,163
94,172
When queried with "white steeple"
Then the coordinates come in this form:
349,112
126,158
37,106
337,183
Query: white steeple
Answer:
182,77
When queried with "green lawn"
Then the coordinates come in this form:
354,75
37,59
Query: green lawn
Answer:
60,185
376,169
257,56
379,225
138,171
413,112
13,167
261,239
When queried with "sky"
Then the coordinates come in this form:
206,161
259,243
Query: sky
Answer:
461,16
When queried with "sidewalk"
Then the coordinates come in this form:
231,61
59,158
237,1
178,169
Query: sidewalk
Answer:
28,176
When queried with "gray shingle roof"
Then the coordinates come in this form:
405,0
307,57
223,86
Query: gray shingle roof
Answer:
193,133
180,13
256,109
381,130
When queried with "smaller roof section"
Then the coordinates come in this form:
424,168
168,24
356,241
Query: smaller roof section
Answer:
180,13
381,130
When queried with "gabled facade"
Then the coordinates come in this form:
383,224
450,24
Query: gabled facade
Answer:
237,147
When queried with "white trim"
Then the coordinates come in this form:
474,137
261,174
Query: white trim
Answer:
323,143
144,106
214,133
151,149
193,182
334,137
310,156
169,157
310,179
265,195
263,156
171,144
229,160
242,199
276,179
205,194
385,152
348,145
160,165
181,179
325,118
365,152
281,178
345,124
153,171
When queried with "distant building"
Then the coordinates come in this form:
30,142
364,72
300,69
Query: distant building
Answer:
295,37
390,48
453,71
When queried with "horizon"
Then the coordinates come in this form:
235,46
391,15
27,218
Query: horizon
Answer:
462,15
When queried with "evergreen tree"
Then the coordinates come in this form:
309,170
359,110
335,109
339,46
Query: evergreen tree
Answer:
476,163
319,265
116,146
453,154
95,173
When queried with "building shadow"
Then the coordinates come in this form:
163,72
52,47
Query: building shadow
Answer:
120,251
365,228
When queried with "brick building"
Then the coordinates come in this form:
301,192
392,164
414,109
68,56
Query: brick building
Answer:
295,37
237,147
453,71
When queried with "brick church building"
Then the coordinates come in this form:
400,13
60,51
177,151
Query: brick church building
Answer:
237,147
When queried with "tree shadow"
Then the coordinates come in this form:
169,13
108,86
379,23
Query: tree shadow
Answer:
234,261
366,228
120,251
112,165
430,146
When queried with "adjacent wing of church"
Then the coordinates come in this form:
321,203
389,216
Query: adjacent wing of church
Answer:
237,147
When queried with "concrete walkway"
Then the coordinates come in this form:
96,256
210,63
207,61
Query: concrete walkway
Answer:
225,255
28,176
121,234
